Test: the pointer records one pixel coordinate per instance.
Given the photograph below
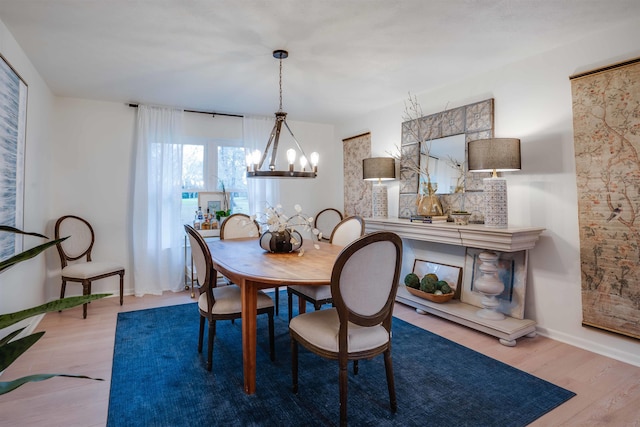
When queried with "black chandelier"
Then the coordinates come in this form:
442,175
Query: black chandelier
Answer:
256,159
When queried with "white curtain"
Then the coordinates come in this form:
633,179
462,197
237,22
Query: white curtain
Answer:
256,131
157,230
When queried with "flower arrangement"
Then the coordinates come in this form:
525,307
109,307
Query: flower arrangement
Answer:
277,222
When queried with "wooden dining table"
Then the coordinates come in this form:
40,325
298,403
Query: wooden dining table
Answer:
251,268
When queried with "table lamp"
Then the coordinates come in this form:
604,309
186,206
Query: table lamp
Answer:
380,169
494,155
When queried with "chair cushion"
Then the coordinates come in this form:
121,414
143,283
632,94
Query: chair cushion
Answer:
87,270
228,300
314,292
321,328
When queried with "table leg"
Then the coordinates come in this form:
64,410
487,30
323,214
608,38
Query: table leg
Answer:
249,325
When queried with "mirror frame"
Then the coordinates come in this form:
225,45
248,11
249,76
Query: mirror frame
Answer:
475,121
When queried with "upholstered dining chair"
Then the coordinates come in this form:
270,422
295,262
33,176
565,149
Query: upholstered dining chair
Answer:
364,282
326,220
345,232
241,225
75,257
220,303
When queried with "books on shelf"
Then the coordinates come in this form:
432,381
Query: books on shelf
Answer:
428,219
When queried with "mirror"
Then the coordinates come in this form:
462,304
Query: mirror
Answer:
447,164
450,131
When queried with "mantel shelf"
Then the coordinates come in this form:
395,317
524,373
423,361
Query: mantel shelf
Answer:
510,239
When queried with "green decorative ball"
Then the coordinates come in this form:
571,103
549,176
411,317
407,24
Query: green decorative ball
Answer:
446,289
412,280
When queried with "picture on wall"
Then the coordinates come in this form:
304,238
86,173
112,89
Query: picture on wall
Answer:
357,192
13,119
606,129
512,272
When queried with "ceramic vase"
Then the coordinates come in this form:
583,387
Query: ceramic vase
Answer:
281,241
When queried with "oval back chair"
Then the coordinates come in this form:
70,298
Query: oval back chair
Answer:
75,257
364,282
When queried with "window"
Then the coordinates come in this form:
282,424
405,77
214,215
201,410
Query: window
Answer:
207,165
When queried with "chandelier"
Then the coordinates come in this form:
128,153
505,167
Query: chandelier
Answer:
255,160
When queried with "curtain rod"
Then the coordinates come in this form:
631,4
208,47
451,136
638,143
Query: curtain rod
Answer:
213,113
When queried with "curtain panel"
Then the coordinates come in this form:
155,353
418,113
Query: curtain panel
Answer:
262,192
157,230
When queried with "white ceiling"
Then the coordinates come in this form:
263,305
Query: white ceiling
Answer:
346,57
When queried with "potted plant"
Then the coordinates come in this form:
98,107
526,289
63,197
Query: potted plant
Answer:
11,345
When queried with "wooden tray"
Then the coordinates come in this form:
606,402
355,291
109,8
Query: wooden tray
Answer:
430,297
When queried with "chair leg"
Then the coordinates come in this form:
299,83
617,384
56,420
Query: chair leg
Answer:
63,287
277,300
294,365
388,366
121,287
343,390
355,367
201,334
289,302
212,334
86,290
272,340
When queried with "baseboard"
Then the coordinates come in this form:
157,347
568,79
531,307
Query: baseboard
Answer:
603,350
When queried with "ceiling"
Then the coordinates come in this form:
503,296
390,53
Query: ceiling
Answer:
346,57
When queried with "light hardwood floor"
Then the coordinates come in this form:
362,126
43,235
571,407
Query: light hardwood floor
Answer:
608,391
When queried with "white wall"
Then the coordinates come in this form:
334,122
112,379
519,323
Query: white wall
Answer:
533,103
92,175
22,285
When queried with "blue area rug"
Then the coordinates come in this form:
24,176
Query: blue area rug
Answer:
159,379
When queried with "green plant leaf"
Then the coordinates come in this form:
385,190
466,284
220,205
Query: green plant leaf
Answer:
18,231
6,387
9,337
56,305
11,351
23,256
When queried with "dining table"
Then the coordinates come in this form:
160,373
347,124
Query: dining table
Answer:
252,268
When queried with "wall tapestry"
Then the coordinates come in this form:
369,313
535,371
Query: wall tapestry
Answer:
13,119
357,192
606,126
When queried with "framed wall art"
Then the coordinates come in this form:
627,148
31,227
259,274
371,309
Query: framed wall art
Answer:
449,273
213,201
512,271
13,120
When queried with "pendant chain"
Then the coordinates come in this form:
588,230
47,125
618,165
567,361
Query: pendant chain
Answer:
280,82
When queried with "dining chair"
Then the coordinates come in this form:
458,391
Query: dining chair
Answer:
345,232
75,257
241,225
364,281
220,303
326,220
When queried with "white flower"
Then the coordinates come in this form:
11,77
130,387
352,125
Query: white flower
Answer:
276,220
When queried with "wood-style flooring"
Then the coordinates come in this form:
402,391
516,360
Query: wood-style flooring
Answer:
608,391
